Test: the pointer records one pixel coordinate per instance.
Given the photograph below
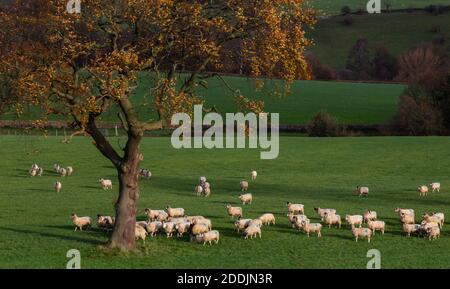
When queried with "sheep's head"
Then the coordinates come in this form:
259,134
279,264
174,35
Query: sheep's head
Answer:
228,206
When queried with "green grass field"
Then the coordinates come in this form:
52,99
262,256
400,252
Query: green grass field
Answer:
36,231
396,31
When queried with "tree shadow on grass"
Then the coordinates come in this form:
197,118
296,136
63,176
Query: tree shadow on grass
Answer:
52,235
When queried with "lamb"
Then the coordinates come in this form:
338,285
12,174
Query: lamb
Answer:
145,173
432,219
295,208
312,228
411,229
297,220
182,228
80,222
62,172
321,212
199,229
369,215
204,221
440,217
244,185
32,173
252,231
56,167
362,233
152,214
435,187
198,190
406,218
246,198
332,219
254,174
69,171
106,184
425,225
241,224
405,211
207,192
57,186
206,185
34,167
154,227
202,180
169,227
376,225
433,233
234,211
354,220
362,191
140,233
105,222
210,236
423,190
267,219
175,212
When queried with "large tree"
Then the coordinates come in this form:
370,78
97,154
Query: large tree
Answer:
83,65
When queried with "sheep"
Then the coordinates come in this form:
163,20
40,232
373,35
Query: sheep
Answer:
321,212
56,167
267,219
145,173
105,222
432,219
244,185
34,167
177,220
106,184
411,229
40,171
241,224
295,208
80,222
175,212
433,233
143,224
192,219
32,173
206,185
57,186
354,220
62,172
369,215
254,174
204,221
198,190
169,227
234,211
440,216
401,211
246,198
196,238
256,222
361,233
162,216
312,228
362,191
424,225
152,214
202,180
252,231
297,220
140,233
210,236
182,228
199,229
407,219
207,192
332,219
435,187
423,190
69,171
376,225
154,227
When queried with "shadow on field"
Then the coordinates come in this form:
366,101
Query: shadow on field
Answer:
51,235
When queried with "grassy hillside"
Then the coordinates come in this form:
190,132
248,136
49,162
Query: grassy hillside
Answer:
397,31
36,231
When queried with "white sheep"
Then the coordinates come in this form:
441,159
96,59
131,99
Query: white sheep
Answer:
252,231
32,172
153,214
62,172
169,228
140,233
192,219
401,211
106,184
411,229
69,171
253,174
297,220
175,212
198,190
202,180
145,173
34,167
105,222
423,190
407,218
80,222
432,219
204,221
143,224
244,185
376,225
312,228
210,236
234,211
182,228
362,233
196,238
199,229
267,219
362,191
256,222
56,167
241,224
321,212
295,208
435,187
162,216
154,227
207,192
433,233
40,171
369,215
354,220
57,186
440,217
246,198
332,219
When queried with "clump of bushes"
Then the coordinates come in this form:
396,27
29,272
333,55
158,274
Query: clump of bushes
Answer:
323,125
319,71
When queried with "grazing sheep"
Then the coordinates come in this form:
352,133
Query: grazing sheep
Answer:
354,220
206,185
362,191
32,173
140,233
62,172
80,222
207,192
406,218
169,228
435,187
182,228
192,219
153,214
244,185
332,219
196,238
400,211
246,198
241,224
234,211
162,216
411,229
432,219
362,233
175,212
198,190
57,186
34,167
267,219
69,171
40,171
56,167
425,225
199,229
295,208
440,216
154,227
210,236
312,228
297,220
106,184
252,231
144,173
423,190
369,215
321,212
433,233
202,180
377,225
254,174
256,222
204,221
105,222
